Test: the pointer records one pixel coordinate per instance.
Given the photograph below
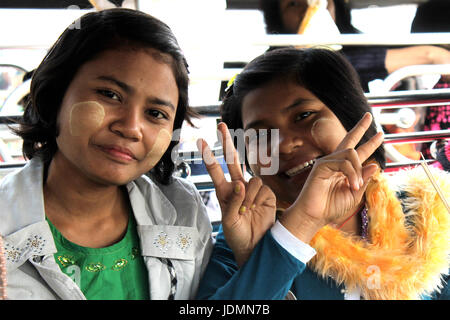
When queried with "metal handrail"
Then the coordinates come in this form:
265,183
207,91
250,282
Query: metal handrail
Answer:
416,70
391,100
416,137
407,95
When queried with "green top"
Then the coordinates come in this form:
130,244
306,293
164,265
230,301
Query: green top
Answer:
117,272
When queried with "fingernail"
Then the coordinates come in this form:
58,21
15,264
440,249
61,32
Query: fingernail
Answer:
361,182
237,189
253,206
242,209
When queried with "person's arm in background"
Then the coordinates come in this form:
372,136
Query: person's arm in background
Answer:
417,55
377,62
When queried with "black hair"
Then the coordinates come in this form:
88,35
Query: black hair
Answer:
325,73
432,16
274,23
343,16
81,42
272,16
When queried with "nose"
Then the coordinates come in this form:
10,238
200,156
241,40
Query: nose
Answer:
289,141
128,122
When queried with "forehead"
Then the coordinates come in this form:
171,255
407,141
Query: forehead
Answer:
275,98
147,69
129,57
274,94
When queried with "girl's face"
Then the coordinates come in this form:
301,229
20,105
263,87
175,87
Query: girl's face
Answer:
117,115
293,12
308,129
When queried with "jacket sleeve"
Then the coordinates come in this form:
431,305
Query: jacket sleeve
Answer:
267,275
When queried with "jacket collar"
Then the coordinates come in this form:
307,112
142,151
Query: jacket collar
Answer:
150,205
25,230
30,242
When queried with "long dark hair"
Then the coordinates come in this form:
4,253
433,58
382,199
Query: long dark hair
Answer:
85,39
327,74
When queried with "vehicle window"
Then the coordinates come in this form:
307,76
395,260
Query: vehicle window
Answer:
10,79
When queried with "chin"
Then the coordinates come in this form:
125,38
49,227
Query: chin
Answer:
115,178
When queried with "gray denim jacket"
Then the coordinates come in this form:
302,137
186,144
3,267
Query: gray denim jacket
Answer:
172,224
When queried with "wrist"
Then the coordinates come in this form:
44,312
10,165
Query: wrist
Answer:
301,226
241,256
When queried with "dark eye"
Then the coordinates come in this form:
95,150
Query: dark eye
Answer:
297,3
109,94
156,114
303,115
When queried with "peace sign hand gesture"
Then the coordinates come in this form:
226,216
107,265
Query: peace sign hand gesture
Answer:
335,185
248,208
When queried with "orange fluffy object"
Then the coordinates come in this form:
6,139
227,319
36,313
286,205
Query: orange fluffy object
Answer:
408,253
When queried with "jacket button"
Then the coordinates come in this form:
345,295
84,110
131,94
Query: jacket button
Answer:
37,259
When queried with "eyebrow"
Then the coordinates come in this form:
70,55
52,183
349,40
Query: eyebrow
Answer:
253,124
297,103
155,100
128,89
118,83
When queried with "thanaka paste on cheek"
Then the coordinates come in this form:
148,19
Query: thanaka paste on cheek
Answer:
323,131
85,117
159,147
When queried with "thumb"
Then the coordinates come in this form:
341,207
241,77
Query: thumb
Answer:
234,202
367,172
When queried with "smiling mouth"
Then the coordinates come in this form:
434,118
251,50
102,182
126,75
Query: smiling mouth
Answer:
300,168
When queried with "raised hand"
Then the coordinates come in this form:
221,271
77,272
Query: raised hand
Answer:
335,185
248,208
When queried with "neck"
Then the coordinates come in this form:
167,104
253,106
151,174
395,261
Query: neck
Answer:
73,194
87,213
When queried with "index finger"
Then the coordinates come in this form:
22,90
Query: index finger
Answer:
367,149
356,133
212,166
230,154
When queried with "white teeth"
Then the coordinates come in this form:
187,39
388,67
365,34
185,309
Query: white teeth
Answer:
300,167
